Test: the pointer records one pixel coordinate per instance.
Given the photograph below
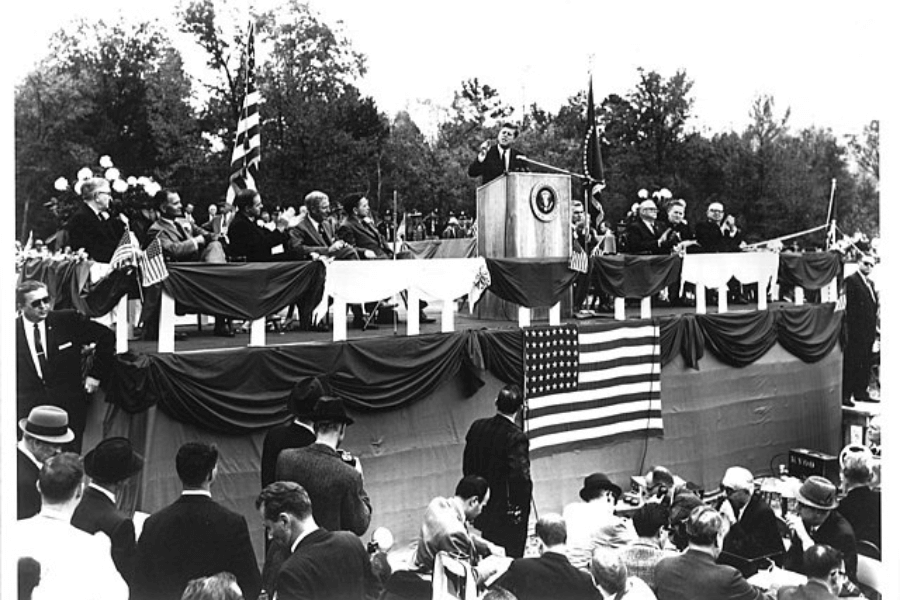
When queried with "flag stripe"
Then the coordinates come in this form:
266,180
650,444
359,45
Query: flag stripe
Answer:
596,417
607,395
245,156
573,440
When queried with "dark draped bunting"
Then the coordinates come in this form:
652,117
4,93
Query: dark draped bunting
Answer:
245,290
68,283
810,270
530,282
454,248
629,276
681,334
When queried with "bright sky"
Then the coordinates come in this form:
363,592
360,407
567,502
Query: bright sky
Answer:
824,60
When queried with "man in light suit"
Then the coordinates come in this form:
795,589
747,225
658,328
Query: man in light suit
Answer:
695,574
861,322
111,463
194,536
43,434
551,575
495,160
49,347
322,564
497,449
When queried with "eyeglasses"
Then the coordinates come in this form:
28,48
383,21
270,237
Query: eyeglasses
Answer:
40,301
868,264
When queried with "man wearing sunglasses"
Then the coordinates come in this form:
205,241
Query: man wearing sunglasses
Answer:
861,321
49,347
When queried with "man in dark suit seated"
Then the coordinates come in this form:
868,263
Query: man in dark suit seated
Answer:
862,505
493,160
551,575
718,233
194,536
43,434
91,227
645,235
49,345
753,531
322,564
497,449
247,240
824,569
111,463
695,574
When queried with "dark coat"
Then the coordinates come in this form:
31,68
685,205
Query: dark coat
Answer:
63,383
837,533
862,509
860,320
711,239
99,237
756,534
335,489
250,242
305,238
364,236
694,574
176,239
192,537
497,450
549,577
28,497
327,565
282,437
492,167
641,239
96,512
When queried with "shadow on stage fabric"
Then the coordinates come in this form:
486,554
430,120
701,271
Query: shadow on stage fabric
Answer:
810,270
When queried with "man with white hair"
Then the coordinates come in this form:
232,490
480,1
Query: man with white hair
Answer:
646,235
718,233
753,531
861,505
90,226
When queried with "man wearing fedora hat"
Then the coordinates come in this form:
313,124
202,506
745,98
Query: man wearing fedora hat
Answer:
332,478
593,523
112,462
817,522
298,433
43,434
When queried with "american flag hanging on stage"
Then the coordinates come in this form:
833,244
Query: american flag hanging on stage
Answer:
152,264
587,385
245,156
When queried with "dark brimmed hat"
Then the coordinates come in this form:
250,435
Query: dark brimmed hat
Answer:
113,460
818,492
596,482
49,424
303,397
329,408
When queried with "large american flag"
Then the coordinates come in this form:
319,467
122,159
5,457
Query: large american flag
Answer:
152,264
245,156
587,385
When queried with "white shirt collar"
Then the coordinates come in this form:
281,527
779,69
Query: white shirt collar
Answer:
196,493
104,491
305,425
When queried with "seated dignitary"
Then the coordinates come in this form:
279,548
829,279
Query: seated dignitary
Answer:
298,433
645,235
695,574
322,564
109,465
91,227
824,569
314,235
592,523
551,575
43,434
74,564
613,578
861,505
493,160
332,478
817,522
753,528
358,231
49,365
682,236
247,240
718,233
194,536
641,555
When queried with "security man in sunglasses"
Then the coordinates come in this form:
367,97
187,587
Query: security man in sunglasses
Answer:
49,352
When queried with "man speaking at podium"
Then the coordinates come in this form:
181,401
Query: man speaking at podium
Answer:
494,160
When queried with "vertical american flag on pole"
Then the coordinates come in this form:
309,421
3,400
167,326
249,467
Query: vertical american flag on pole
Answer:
246,154
588,385
152,264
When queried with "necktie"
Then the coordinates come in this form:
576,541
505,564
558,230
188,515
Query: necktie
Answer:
503,158
39,350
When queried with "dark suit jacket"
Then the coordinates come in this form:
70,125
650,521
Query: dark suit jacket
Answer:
862,313
492,167
549,577
193,537
248,240
812,590
28,497
695,575
327,565
305,238
63,384
97,236
364,236
862,509
96,512
756,534
282,437
641,240
335,489
497,450
711,239
837,533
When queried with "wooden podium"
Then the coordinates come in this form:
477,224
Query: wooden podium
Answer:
522,215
